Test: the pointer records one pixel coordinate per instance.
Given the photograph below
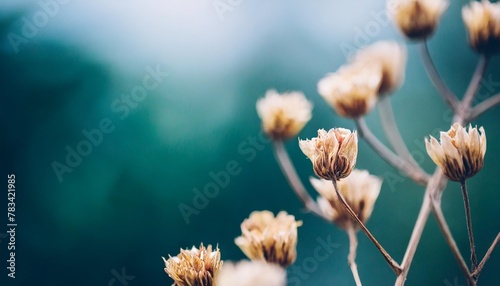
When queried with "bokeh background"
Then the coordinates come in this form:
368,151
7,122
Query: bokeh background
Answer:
118,209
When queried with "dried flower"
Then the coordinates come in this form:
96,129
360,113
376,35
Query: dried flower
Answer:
251,273
482,20
194,267
360,190
391,56
283,115
460,154
333,153
268,238
352,90
417,19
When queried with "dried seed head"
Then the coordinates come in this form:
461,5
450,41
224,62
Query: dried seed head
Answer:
194,267
268,238
417,19
283,115
482,20
460,154
251,273
333,153
391,56
360,190
352,90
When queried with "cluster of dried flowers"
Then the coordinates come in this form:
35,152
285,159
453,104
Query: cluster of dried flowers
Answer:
347,195
269,241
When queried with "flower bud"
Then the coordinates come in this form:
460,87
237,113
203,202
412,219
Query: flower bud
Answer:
417,19
460,154
352,90
333,153
283,115
268,238
391,56
359,189
482,20
194,267
251,273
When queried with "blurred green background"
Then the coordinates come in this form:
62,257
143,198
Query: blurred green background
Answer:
118,208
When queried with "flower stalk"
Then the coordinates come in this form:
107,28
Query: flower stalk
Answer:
293,178
473,256
388,155
351,258
392,132
443,225
392,263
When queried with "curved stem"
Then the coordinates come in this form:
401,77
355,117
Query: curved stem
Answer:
474,84
486,256
351,259
388,155
444,91
484,106
392,263
392,132
438,212
473,256
293,179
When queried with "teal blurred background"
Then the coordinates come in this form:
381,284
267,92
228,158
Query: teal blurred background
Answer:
118,208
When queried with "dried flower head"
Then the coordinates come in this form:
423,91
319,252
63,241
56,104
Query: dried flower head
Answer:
251,273
391,56
333,153
268,238
417,19
283,115
194,267
482,20
360,190
460,154
352,90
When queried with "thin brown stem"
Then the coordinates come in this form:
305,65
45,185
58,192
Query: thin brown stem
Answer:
293,178
474,84
392,132
388,155
351,259
473,256
435,183
486,256
444,91
392,263
484,106
443,225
